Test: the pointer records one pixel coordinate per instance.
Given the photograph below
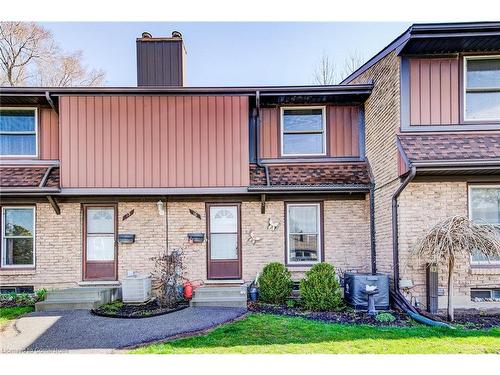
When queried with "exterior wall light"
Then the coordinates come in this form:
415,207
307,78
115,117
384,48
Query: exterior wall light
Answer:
161,208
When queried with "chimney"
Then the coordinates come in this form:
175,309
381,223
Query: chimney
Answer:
160,61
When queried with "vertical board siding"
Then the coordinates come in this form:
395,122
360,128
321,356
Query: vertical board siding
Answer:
49,134
342,132
154,141
434,91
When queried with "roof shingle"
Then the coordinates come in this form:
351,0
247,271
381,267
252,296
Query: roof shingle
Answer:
443,147
18,177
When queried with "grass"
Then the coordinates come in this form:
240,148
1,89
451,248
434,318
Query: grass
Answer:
263,333
9,313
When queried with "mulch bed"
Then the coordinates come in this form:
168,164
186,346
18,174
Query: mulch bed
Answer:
346,316
136,311
477,319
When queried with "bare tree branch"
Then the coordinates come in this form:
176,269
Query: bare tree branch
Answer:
29,56
325,72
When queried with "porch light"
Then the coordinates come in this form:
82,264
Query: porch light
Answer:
161,208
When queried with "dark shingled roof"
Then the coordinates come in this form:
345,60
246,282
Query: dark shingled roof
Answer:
311,175
450,147
27,177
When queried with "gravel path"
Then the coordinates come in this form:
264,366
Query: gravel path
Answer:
62,331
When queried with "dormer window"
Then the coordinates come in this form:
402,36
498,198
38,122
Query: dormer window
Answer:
482,88
18,132
303,131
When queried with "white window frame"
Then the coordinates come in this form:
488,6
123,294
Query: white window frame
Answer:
3,244
320,225
282,129
469,199
35,155
481,89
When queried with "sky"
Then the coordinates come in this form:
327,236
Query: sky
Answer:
228,54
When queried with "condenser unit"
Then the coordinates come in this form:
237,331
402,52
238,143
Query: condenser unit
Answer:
136,288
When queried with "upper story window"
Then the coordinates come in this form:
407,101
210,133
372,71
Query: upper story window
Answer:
18,132
303,131
482,88
484,207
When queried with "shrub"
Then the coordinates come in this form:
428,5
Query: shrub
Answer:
320,289
40,294
275,284
385,317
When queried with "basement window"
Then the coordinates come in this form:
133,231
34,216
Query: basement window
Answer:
18,237
18,132
485,295
484,207
482,88
303,131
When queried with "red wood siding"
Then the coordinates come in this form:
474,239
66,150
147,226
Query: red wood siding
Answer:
434,91
342,132
49,134
154,141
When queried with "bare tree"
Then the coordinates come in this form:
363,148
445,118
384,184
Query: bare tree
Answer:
325,72
352,62
454,238
30,57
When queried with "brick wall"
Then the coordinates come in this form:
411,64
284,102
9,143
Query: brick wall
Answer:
59,240
421,206
382,117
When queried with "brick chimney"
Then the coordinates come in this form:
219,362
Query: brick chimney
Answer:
160,61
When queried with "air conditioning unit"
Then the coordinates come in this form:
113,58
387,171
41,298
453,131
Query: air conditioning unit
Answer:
136,288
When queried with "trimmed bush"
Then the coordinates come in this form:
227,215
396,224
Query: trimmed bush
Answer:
320,290
275,284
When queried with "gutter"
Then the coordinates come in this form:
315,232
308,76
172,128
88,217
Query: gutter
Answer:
257,137
308,188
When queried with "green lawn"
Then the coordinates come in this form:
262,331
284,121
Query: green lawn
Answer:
263,333
9,313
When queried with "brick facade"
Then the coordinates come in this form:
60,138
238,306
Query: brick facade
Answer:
59,240
421,205
382,115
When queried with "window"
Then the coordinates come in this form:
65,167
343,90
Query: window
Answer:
17,289
303,131
480,295
18,236
482,88
484,207
303,233
18,132
100,234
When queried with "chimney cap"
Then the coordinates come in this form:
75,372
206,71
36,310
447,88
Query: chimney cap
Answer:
146,34
176,34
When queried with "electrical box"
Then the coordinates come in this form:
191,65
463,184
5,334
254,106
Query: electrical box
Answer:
432,288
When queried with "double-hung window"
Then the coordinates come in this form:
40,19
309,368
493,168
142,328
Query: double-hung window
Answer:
18,132
482,88
18,237
303,233
303,131
484,207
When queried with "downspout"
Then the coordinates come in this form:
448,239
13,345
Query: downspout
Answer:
257,136
51,102
399,300
372,230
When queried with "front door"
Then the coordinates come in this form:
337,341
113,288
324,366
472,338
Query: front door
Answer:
224,241
100,243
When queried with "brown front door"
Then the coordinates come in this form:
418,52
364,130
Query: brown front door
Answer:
224,241
99,242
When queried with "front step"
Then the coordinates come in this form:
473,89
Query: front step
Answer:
78,298
220,296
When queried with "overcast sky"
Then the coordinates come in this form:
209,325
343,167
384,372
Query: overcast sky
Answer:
228,54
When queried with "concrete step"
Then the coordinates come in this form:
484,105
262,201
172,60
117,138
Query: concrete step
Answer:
221,302
216,292
66,305
78,298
